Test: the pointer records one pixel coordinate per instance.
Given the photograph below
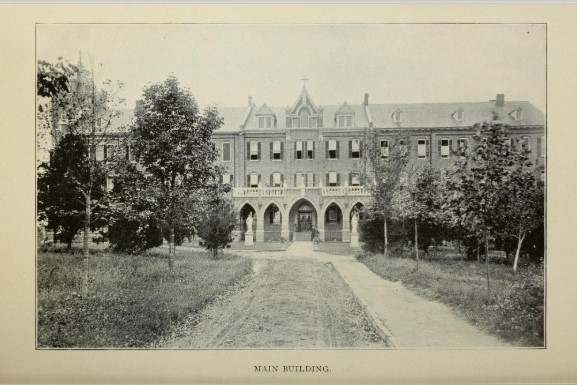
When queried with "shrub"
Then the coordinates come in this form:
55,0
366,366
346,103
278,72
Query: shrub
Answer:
217,226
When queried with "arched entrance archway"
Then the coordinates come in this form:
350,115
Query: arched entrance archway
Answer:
302,218
272,222
245,211
333,223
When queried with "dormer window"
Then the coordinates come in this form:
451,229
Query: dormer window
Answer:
458,115
397,116
265,122
304,115
344,121
517,114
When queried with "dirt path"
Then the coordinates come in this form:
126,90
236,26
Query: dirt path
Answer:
286,303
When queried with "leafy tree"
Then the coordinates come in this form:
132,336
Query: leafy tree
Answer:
383,174
481,183
217,225
172,141
59,198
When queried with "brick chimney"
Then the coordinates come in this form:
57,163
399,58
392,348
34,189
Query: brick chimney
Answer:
250,101
500,100
366,101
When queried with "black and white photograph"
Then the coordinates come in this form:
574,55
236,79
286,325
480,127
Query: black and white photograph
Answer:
291,186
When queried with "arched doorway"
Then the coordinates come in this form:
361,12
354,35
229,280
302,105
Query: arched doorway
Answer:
333,223
302,218
272,223
245,211
358,208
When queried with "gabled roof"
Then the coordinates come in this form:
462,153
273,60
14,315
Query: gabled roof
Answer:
345,109
303,99
264,110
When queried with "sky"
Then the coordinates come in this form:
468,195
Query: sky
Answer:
222,64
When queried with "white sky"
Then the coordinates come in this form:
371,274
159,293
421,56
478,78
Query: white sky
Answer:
223,64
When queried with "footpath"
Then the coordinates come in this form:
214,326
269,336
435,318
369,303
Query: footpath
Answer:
402,318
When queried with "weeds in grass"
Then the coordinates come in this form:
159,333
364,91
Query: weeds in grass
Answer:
132,300
515,311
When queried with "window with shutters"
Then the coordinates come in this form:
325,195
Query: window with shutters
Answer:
355,149
299,181
333,179
384,148
254,150
355,179
462,144
310,179
298,149
226,152
524,144
422,148
445,149
253,180
332,149
276,150
310,149
276,179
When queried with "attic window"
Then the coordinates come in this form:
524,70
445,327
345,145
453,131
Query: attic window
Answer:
304,118
458,115
265,122
344,121
517,114
397,116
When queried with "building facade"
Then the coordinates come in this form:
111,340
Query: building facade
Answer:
297,167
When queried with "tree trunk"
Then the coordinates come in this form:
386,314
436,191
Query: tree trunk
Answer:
85,245
518,251
385,240
171,247
487,264
416,245
478,253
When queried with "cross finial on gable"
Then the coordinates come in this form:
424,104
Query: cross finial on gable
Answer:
304,80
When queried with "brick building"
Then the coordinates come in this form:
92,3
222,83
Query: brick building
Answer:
298,167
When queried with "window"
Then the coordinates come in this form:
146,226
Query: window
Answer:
310,149
265,122
299,181
348,121
109,183
422,148
298,149
462,144
276,179
332,149
341,121
333,215
304,118
109,151
227,178
99,153
518,114
384,148
397,116
128,152
226,152
403,147
445,148
313,122
295,122
310,179
524,144
254,150
355,179
276,150
254,180
458,115
333,179
355,148
507,142
345,121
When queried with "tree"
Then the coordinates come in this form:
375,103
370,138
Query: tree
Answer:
172,141
479,185
88,112
383,173
216,227
59,198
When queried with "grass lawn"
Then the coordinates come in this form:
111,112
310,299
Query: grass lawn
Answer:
515,312
132,300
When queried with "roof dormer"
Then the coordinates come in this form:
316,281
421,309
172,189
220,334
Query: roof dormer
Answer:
458,115
266,117
344,117
517,114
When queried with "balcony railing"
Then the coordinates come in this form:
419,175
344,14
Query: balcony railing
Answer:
247,192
